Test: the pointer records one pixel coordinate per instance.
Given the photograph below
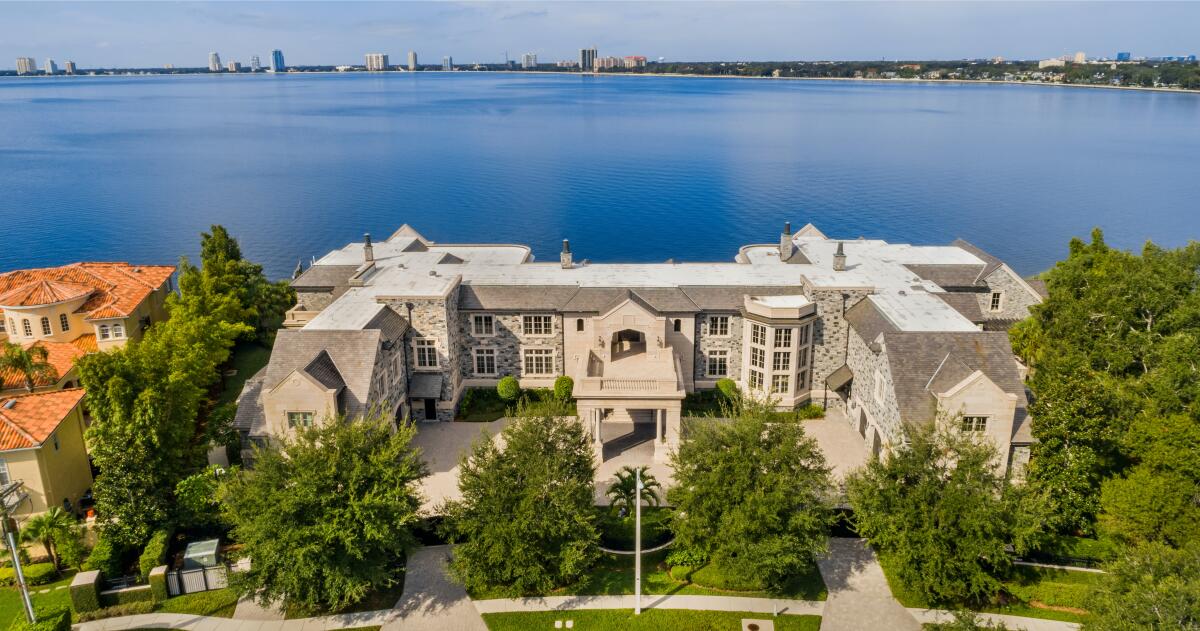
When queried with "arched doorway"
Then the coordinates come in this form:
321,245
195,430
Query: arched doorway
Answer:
627,343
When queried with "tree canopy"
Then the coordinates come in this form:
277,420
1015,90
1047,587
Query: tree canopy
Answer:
753,496
526,522
1152,586
326,517
31,363
937,508
1117,390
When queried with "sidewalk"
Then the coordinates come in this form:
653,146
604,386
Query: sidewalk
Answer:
859,596
781,606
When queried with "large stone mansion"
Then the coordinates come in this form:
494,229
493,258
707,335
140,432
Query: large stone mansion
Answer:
891,334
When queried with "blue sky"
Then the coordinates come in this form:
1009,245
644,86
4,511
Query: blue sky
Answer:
106,34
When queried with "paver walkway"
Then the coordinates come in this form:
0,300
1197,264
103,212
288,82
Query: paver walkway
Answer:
859,597
430,600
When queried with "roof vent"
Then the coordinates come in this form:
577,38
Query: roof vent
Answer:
8,405
433,272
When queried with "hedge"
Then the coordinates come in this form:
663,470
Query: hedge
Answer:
141,593
35,574
158,584
85,591
155,553
130,609
105,556
57,619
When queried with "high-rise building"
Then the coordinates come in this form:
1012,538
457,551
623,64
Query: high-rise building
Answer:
26,65
50,67
412,60
529,61
587,58
234,66
255,64
1124,57
214,62
69,67
635,61
605,63
277,64
447,64
377,61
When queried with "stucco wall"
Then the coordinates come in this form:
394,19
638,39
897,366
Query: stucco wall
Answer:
297,393
51,475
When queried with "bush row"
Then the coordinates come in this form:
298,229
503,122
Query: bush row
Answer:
128,609
127,596
35,574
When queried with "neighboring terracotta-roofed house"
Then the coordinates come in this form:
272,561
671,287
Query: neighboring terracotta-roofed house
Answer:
42,447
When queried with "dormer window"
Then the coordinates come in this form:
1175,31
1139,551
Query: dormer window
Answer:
974,423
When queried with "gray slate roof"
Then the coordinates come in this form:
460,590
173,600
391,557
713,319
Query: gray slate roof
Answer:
602,299
324,371
915,358
991,263
325,277
716,298
948,275
1039,286
866,320
514,297
249,408
965,303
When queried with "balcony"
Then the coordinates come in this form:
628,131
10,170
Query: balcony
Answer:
299,316
640,375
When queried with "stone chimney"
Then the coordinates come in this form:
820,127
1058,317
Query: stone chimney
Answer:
839,259
299,270
565,256
368,249
786,247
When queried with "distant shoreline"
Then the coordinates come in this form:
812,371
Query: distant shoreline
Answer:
677,75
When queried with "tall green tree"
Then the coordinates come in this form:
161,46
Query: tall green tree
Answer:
937,509
526,522
31,363
263,303
326,517
751,495
1151,586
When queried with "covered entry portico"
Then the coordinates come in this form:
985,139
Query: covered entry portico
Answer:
599,415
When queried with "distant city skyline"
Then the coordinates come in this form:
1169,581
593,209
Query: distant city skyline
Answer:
114,34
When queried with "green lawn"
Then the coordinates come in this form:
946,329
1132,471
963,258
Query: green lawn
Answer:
650,620
247,359
613,575
483,405
12,610
617,533
218,603
1059,594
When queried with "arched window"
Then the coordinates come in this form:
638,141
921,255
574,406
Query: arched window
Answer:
678,324
63,322
104,335
579,324
26,327
118,331
46,326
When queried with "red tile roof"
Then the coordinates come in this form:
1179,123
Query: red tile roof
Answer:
28,420
61,355
116,289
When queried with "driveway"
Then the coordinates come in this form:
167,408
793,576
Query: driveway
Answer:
443,446
843,448
859,596
430,601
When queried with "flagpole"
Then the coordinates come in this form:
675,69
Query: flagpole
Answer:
637,545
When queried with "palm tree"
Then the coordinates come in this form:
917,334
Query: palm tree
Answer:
623,491
30,362
47,528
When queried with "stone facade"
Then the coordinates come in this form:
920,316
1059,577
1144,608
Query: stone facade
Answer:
1016,298
706,342
881,415
508,340
829,333
429,319
314,300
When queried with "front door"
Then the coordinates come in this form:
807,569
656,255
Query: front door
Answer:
431,409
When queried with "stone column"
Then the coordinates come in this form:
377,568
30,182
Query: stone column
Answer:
659,415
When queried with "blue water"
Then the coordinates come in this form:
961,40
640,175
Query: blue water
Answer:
629,168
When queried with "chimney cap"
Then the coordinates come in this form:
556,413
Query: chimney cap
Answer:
841,251
787,227
367,238
566,246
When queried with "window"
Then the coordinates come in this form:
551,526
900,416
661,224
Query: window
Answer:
4,479
485,361
300,419
802,362
539,361
63,322
997,300
758,334
2,329
781,361
756,380
104,334
779,384
537,325
46,326
678,325
758,358
718,326
802,380
118,331
783,338
579,324
27,327
483,325
426,353
718,363
804,331
974,423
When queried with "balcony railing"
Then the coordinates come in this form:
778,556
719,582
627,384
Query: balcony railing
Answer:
669,383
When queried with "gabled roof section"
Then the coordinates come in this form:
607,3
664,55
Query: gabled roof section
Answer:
325,371
325,277
390,324
28,420
449,259
990,263
916,358
950,373
408,232
810,230
351,352
417,245
868,321
949,275
113,290
628,295
964,303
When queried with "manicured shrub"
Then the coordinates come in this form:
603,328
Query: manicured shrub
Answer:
810,411
85,591
35,574
125,596
105,556
158,584
508,388
57,619
129,609
563,386
686,558
155,552
728,388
